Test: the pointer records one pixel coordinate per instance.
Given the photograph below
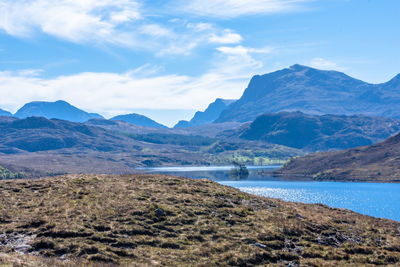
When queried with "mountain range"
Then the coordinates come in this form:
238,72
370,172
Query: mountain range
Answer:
313,91
64,111
227,129
318,133
209,115
297,88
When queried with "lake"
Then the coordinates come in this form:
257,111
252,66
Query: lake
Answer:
374,199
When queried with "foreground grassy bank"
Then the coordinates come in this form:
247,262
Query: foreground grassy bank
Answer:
160,220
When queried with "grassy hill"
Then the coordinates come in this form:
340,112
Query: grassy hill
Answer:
375,163
78,220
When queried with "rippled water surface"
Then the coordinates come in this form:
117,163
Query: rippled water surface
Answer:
375,199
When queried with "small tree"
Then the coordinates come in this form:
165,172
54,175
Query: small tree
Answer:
239,170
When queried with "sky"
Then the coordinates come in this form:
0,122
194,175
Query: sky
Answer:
168,59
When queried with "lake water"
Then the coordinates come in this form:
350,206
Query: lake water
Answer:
374,199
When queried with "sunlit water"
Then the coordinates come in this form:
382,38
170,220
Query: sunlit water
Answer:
375,199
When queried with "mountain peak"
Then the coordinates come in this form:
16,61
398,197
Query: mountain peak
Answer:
209,115
298,67
313,91
61,102
138,119
55,110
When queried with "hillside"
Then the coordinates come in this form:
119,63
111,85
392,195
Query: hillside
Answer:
138,119
313,133
168,221
55,110
202,130
35,134
209,115
313,91
4,113
40,146
376,163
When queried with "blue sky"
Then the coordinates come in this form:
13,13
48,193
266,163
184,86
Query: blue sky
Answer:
167,59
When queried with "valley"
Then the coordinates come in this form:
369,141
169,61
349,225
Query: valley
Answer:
43,147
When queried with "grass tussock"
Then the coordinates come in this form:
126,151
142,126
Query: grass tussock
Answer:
156,220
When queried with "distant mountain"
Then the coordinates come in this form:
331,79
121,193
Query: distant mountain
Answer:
313,132
4,113
208,116
379,162
55,110
182,124
138,119
313,91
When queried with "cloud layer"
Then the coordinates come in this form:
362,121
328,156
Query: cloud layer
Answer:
129,23
72,20
236,8
142,88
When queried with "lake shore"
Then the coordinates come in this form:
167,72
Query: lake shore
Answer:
374,199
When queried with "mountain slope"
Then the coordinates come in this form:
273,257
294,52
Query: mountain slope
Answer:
312,132
45,147
40,134
313,91
379,162
147,220
138,119
4,113
208,116
55,110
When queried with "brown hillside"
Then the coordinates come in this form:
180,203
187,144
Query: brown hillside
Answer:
168,221
375,163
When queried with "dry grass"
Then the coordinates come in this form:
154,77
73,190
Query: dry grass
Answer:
150,220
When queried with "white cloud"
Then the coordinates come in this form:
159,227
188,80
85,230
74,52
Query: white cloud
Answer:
145,70
226,37
201,26
30,72
155,30
241,50
72,20
189,36
103,22
235,8
113,93
142,88
321,63
182,47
